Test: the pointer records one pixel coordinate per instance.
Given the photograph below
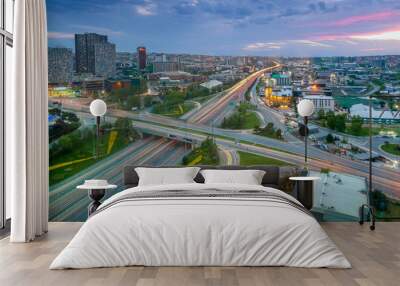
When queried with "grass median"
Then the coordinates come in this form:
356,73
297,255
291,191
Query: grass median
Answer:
248,159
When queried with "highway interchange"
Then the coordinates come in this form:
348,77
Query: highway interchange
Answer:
168,145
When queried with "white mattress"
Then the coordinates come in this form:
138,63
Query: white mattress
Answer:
200,232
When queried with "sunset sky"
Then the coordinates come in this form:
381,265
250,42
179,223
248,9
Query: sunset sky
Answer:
234,27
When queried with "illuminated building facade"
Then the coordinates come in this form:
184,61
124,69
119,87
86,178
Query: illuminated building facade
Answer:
142,58
279,97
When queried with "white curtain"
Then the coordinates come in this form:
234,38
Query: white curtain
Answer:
26,119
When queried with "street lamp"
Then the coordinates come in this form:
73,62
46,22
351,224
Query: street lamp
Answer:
305,109
98,108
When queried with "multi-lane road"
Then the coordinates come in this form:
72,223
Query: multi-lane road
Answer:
385,179
67,204
211,111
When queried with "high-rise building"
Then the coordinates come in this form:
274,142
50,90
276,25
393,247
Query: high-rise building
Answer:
84,51
104,60
60,63
142,58
94,54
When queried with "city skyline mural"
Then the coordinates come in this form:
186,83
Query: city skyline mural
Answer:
275,28
218,83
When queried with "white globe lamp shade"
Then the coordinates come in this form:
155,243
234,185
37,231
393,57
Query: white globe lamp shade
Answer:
98,107
305,108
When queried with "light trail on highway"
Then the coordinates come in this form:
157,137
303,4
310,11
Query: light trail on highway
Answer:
195,128
385,179
67,203
206,114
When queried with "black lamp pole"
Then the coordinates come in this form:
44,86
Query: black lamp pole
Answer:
97,135
370,145
305,139
369,207
98,108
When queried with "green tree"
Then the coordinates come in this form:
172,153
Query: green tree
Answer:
247,95
65,143
125,130
380,201
331,120
133,101
208,151
329,138
278,134
356,125
340,123
321,114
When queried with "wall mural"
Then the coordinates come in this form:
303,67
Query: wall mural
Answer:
217,82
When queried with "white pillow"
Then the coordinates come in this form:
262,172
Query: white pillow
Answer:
166,176
247,177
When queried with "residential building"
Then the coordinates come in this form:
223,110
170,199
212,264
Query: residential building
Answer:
84,51
168,82
95,55
282,79
166,67
212,84
104,60
60,61
93,86
322,102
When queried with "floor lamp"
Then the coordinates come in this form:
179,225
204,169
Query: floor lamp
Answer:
98,108
305,109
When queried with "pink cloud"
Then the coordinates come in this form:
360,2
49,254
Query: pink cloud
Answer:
388,34
364,18
373,50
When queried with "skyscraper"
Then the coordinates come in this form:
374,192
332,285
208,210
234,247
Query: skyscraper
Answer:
95,55
141,51
104,60
60,65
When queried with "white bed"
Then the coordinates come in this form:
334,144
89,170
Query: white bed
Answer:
202,231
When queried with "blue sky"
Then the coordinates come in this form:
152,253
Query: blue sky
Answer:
233,27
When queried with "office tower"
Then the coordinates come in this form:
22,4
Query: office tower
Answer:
60,63
141,51
104,60
94,54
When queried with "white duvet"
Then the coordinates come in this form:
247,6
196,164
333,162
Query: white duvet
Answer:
202,232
